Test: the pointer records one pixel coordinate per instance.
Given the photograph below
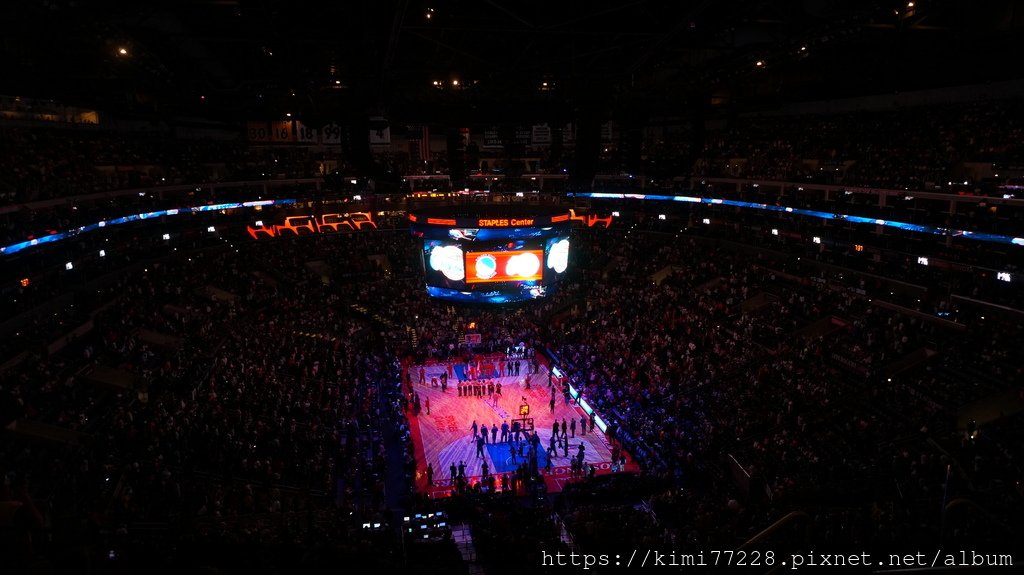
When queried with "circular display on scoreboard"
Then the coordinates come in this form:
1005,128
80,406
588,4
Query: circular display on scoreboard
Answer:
448,261
523,265
486,267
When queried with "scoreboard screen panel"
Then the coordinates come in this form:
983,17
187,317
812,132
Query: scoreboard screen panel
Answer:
493,265
502,266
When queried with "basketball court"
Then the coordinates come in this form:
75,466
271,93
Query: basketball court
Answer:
444,437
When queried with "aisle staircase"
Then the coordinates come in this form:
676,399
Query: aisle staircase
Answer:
564,535
462,535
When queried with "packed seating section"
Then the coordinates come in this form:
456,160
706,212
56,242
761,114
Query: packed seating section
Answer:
265,425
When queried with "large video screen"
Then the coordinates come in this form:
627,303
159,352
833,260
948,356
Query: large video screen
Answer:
493,265
492,296
556,254
504,266
444,263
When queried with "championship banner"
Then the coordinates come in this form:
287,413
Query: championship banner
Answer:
541,135
568,133
492,138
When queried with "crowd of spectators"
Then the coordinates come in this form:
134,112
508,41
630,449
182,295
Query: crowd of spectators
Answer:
263,418
935,147
266,420
958,268
256,415
48,163
915,148
809,418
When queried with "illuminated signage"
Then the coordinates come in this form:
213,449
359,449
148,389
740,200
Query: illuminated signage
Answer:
70,233
979,236
313,224
598,421
497,221
590,220
504,223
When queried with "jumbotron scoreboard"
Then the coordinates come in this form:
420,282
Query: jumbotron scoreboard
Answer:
492,254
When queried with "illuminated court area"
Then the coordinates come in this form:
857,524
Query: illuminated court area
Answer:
445,436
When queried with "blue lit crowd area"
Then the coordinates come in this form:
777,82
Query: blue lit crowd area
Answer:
786,283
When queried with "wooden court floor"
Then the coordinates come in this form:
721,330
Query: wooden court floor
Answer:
444,436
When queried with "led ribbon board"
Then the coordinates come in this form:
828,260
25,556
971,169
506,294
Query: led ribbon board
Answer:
52,238
980,236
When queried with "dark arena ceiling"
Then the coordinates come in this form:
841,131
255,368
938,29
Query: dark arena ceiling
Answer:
493,60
